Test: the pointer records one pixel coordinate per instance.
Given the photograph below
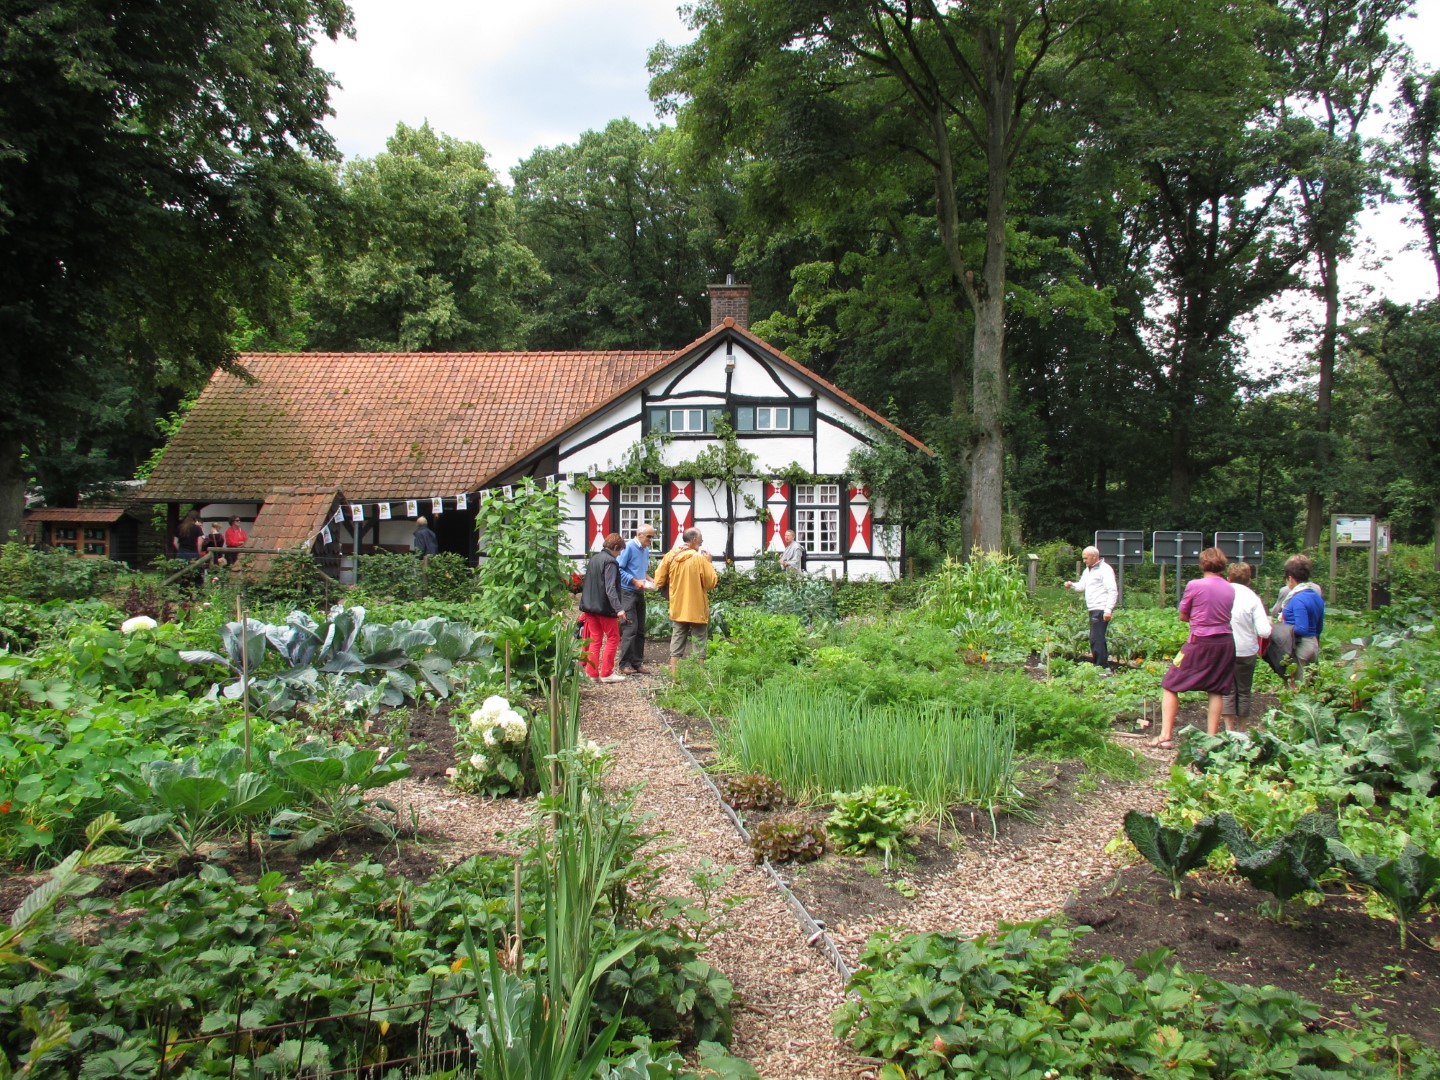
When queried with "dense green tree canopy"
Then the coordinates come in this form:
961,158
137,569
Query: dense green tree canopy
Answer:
155,159
422,254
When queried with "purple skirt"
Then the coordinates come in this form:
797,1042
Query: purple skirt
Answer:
1205,663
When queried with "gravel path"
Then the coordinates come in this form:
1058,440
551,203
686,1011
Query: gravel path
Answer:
789,991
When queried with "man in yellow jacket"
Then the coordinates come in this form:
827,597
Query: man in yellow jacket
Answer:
689,574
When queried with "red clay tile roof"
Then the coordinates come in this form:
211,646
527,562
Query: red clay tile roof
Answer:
381,425
99,515
290,518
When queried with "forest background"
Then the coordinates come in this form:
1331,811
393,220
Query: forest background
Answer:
1032,234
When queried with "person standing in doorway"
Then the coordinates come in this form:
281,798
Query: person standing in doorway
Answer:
634,563
424,542
793,557
1097,582
235,537
690,576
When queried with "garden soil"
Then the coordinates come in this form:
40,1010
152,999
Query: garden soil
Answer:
1058,857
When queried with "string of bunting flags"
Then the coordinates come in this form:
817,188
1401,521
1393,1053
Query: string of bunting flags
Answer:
359,512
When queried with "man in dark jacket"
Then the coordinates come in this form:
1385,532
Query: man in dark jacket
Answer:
424,542
601,611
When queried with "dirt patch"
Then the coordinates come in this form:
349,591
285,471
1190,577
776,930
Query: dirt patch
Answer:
1334,954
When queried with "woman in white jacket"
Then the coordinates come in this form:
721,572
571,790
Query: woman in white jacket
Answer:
1248,623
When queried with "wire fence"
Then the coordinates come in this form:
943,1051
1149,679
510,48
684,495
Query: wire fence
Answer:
412,1038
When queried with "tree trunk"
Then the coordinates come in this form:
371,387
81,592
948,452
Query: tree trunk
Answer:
1325,355
12,488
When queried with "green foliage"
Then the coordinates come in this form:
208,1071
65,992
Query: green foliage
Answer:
28,573
875,818
1284,866
523,576
329,785
812,600
425,258
751,791
195,803
986,583
389,576
811,741
787,839
1017,1003
290,580
347,662
1172,851
1405,883
102,659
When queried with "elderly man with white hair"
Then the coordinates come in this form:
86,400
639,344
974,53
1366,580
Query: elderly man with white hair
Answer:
1097,582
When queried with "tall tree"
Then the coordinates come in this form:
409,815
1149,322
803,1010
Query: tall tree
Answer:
153,159
1418,157
1338,53
627,235
424,254
960,86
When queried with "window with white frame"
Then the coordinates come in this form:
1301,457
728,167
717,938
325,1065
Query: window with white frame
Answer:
817,518
641,504
687,421
754,418
769,418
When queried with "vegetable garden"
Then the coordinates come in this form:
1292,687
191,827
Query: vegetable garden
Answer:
220,863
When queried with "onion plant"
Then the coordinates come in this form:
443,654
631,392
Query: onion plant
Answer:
812,741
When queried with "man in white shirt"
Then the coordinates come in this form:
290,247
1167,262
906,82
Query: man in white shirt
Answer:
1097,582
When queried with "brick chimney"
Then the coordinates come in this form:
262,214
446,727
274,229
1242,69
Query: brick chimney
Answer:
730,301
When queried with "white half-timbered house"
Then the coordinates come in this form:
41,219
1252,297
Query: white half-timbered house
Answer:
354,446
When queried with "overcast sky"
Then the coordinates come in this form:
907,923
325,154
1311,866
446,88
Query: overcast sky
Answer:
517,76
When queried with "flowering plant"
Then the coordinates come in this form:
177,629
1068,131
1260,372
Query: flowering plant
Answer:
492,746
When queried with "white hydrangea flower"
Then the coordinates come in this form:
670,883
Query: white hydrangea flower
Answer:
478,762
490,739
513,725
493,706
138,622
477,719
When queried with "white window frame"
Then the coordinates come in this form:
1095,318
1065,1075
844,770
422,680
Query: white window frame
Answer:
772,418
817,518
682,419
642,504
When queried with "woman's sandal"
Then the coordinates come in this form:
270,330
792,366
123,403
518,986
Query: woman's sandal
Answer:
1159,744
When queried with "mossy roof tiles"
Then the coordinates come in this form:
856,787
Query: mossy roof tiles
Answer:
381,425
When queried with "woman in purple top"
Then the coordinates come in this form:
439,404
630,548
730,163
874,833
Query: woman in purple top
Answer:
1207,661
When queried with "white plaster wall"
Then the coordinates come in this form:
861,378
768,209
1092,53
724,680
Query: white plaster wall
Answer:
572,538
608,453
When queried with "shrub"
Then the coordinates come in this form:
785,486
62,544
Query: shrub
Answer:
292,579
36,574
